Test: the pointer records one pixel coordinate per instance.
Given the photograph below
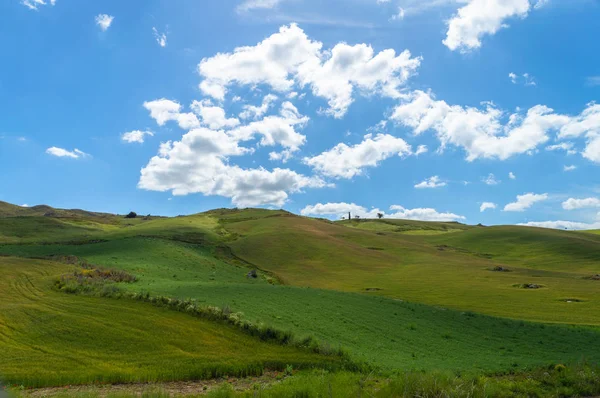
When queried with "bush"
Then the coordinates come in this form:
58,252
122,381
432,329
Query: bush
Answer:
132,214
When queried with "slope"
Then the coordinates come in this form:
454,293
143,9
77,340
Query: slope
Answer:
451,269
48,338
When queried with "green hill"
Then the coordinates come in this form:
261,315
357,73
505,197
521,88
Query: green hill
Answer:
49,338
392,295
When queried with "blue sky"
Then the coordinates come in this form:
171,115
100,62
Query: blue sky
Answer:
429,109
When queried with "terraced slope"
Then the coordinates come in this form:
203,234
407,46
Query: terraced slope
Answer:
50,338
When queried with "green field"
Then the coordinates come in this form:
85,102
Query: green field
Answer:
49,338
397,295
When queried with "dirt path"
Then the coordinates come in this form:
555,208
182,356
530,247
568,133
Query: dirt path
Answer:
171,388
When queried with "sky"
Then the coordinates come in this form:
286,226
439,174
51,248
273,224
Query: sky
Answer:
477,111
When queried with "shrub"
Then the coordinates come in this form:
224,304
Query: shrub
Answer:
132,214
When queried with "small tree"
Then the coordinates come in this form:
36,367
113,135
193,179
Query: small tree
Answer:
357,217
380,215
132,214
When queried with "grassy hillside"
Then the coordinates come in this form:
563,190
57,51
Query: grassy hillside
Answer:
52,338
370,270
449,269
184,257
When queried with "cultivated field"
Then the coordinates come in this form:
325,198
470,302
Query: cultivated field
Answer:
90,298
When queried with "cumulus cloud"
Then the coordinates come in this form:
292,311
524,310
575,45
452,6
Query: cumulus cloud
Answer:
344,161
486,205
512,176
592,150
289,59
164,110
396,212
251,111
569,168
479,18
431,182
481,132
161,38
104,21
213,116
136,136
574,204
525,201
198,164
63,153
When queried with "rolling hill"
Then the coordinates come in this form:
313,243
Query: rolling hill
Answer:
396,294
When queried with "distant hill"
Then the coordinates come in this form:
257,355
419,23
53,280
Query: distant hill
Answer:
10,210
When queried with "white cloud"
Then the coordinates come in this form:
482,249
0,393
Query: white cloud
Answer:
562,225
528,80
541,3
104,21
481,131
525,201
213,116
161,38
479,18
563,146
289,59
397,212
34,4
25,205
422,214
431,182
198,164
249,5
164,110
574,204
512,176
486,205
251,111
343,161
592,150
339,210
421,149
136,136
569,168
63,153
491,180
399,15
276,130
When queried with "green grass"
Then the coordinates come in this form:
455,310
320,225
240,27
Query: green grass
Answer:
350,284
50,338
385,332
451,269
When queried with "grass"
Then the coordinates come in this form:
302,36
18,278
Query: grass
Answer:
50,338
450,269
386,332
350,284
555,381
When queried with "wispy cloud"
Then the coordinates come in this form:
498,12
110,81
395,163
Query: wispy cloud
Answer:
63,153
34,4
593,81
161,38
